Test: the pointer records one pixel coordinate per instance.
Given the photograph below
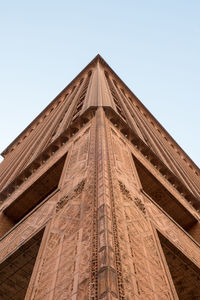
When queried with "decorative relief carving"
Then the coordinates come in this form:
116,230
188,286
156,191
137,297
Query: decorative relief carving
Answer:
61,260
173,233
78,189
122,160
93,279
136,200
140,205
22,232
77,165
148,272
124,191
140,145
64,200
115,220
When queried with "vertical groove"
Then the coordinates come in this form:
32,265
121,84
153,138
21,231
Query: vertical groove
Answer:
114,221
93,290
116,100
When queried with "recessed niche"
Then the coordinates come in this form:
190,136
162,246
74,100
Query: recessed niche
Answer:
43,187
185,274
162,197
16,270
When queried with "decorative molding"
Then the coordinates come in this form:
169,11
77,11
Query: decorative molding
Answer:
65,199
115,226
140,204
158,164
129,96
42,158
136,200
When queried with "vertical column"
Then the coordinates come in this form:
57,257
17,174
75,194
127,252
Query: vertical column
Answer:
98,91
108,264
64,271
142,270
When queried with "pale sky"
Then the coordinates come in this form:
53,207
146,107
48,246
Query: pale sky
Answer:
154,46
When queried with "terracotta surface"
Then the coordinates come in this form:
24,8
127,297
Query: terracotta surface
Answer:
117,198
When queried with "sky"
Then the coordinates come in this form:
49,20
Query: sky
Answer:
153,46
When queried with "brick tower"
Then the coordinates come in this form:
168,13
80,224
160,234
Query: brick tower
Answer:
98,201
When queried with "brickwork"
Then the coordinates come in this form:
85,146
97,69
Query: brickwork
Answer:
122,218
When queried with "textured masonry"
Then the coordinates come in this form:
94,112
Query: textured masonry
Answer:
97,201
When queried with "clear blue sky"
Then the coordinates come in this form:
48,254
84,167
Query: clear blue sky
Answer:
154,46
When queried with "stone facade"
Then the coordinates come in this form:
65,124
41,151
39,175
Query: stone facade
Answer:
115,197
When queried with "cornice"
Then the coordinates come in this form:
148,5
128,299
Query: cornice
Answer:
53,102
43,157
157,163
128,133
129,95
147,114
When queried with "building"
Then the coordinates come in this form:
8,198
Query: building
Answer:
98,201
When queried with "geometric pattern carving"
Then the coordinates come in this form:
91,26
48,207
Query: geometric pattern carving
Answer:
120,213
136,200
63,201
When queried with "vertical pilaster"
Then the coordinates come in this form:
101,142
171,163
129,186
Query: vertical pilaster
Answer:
142,271
108,287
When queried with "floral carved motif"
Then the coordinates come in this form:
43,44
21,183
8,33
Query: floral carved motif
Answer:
64,200
140,205
136,200
124,191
